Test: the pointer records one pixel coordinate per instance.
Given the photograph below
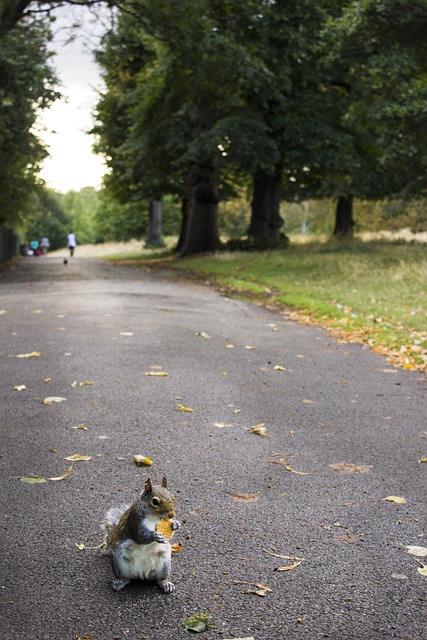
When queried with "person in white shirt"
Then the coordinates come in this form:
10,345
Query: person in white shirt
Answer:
71,243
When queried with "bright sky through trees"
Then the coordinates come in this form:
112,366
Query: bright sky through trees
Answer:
72,164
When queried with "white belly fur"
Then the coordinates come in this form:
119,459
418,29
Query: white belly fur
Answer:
143,561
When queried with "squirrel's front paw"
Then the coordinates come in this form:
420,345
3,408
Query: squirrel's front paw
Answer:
159,537
176,524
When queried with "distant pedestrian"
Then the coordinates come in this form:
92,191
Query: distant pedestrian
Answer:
71,243
45,244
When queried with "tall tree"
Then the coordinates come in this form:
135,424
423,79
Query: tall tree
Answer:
27,85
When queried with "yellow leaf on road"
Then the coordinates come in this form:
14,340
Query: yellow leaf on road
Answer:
289,567
53,400
259,429
33,354
279,367
423,459
396,499
65,476
182,408
156,374
80,426
142,461
20,387
76,458
126,333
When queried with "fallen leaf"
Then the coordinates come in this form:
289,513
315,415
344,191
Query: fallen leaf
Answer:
421,552
349,467
229,346
20,387
176,548
81,426
396,499
243,497
262,589
182,408
289,468
53,399
279,367
126,333
222,425
76,458
86,382
259,429
289,567
103,437
424,459
156,374
65,476
423,570
80,546
399,576
196,623
33,354
308,401
74,384
250,347
2,312
203,334
283,557
47,380
36,311
142,461
32,479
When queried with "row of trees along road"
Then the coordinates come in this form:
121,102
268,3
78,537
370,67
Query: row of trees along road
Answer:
298,99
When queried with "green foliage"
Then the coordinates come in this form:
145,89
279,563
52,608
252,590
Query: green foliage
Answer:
48,218
26,86
81,208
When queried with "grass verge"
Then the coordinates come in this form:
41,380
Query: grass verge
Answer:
373,293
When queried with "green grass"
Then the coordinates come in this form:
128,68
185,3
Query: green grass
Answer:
371,292
376,292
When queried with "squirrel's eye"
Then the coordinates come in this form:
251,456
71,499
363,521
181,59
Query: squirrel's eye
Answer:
155,502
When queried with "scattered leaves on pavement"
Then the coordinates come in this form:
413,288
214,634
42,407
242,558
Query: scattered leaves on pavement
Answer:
396,499
261,588
243,497
156,374
259,429
77,458
203,334
182,408
349,467
420,552
33,354
64,477
53,400
32,479
142,461
196,623
289,567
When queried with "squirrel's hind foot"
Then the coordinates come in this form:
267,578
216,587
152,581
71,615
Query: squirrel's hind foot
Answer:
165,586
119,584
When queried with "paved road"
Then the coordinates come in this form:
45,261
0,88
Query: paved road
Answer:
332,403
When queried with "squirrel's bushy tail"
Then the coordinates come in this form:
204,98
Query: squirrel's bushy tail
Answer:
113,516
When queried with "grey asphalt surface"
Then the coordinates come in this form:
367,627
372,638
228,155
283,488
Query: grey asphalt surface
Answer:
333,403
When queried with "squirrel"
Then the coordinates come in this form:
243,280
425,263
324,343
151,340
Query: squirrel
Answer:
139,551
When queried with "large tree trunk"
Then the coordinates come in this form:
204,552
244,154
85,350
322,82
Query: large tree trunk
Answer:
202,231
265,225
154,231
185,206
344,222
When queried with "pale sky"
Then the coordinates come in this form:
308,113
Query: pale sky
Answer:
72,163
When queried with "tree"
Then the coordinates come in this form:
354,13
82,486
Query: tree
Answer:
27,85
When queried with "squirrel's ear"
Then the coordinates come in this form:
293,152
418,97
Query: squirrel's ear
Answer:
148,486
165,482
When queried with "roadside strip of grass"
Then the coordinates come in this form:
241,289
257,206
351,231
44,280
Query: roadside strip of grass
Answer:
373,293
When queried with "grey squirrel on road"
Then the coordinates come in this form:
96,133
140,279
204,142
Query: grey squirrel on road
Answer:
137,537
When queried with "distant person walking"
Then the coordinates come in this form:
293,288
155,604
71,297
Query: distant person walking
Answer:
45,244
71,243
